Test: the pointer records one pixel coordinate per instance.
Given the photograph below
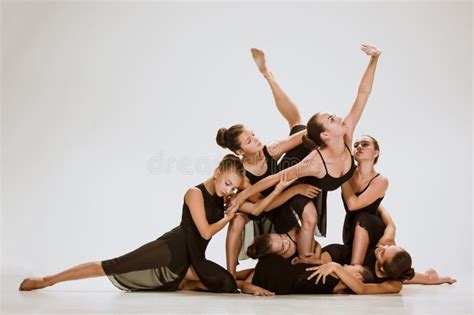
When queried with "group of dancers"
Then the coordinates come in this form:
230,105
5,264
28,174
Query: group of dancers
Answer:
273,199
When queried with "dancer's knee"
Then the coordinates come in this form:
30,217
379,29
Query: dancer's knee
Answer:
309,217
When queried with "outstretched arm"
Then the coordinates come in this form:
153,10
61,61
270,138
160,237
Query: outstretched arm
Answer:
365,88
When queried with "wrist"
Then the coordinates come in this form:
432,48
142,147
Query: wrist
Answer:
276,192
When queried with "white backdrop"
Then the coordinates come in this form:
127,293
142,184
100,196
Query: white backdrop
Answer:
109,113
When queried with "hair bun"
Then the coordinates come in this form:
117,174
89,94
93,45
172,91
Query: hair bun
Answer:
409,274
252,252
309,143
220,138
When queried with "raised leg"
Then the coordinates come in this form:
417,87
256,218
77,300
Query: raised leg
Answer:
285,105
83,271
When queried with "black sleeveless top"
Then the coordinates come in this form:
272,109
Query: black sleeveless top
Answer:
214,277
328,183
278,275
351,215
272,168
214,207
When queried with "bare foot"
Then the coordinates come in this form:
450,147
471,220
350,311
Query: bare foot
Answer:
259,57
371,50
433,275
33,283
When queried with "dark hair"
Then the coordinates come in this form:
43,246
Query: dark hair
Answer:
399,268
312,139
262,246
376,146
232,163
367,275
229,138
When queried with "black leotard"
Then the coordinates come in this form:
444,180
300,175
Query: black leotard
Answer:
278,275
329,183
349,221
272,168
162,264
326,183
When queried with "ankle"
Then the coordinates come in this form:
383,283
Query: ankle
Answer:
267,74
48,281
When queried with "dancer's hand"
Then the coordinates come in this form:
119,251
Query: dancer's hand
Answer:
323,271
232,209
386,240
307,259
238,199
284,183
371,50
262,292
308,190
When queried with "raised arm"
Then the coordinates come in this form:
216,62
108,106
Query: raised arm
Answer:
388,237
376,190
365,88
277,148
195,202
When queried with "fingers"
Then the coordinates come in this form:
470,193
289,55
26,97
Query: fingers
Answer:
312,275
264,293
318,278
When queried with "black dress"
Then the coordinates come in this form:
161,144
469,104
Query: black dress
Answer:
162,264
278,275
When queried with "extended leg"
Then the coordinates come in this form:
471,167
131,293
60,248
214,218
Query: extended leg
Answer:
83,271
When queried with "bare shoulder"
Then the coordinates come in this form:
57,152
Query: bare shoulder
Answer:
193,194
381,180
313,163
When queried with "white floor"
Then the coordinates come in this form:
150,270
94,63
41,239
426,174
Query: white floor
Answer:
97,296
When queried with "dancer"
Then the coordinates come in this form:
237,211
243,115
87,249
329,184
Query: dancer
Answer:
261,161
330,163
275,275
367,224
179,254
